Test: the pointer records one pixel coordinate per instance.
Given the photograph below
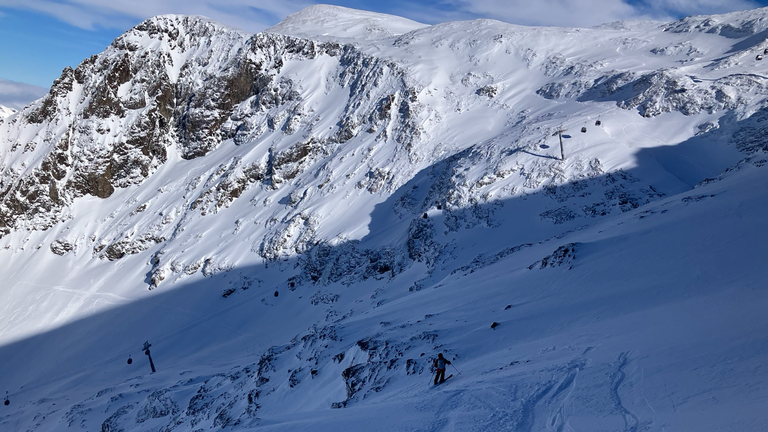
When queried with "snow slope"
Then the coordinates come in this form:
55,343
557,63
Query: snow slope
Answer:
311,239
326,22
6,112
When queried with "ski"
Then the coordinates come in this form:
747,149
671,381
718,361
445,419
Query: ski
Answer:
446,379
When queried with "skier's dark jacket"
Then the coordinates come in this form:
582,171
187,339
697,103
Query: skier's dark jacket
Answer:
440,363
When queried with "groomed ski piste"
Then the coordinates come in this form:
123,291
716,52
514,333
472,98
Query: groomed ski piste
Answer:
620,289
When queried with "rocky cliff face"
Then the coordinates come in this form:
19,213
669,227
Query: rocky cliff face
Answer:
181,86
346,177
291,122
110,122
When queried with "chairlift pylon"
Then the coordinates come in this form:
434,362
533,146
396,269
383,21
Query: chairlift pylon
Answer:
146,353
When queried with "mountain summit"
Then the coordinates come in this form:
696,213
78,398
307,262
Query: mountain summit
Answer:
293,224
326,22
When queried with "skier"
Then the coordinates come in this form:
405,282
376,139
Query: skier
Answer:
440,365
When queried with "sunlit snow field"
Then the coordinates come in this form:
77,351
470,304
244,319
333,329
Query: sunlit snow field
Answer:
626,282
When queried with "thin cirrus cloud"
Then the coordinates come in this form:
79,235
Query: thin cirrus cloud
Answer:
568,13
256,15
578,13
120,14
16,95
700,7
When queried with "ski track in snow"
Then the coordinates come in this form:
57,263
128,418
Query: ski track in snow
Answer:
631,422
299,232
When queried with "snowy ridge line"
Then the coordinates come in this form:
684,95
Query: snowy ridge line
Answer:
389,190
135,351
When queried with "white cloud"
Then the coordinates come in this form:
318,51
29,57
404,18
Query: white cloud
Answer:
17,95
700,7
552,12
256,15
251,15
578,13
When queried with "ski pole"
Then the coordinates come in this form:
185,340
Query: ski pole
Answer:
455,368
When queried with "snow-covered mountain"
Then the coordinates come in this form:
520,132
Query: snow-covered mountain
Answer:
336,23
16,95
299,220
6,112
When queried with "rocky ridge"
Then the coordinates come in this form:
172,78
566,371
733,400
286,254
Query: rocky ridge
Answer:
366,164
178,87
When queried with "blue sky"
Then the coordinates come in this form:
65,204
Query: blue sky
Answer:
38,38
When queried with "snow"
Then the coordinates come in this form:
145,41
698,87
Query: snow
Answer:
627,280
326,22
6,112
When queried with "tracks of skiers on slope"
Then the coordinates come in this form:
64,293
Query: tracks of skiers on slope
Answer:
532,403
154,342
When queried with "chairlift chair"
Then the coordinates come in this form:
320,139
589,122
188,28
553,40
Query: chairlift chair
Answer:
130,360
584,129
276,293
598,122
759,57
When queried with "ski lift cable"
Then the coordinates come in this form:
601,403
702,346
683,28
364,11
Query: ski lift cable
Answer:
74,373
209,318
139,350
